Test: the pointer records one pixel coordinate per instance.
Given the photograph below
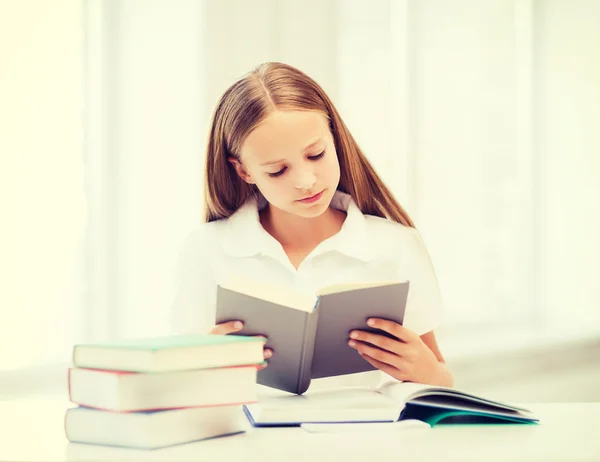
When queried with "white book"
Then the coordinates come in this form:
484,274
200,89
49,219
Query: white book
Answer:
121,391
152,429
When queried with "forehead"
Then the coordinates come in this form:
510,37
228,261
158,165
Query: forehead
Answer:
285,133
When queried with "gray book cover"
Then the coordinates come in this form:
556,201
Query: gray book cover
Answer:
309,345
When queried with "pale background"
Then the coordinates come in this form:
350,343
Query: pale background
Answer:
483,116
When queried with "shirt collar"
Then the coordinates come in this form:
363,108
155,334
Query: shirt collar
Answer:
244,236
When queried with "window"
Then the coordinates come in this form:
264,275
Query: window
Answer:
42,169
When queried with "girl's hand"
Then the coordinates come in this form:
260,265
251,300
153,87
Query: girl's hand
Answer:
235,326
405,358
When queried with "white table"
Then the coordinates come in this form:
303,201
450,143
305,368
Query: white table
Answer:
32,429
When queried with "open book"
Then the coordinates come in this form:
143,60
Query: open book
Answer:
391,402
309,333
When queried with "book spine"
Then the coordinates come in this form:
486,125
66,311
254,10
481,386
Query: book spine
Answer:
308,348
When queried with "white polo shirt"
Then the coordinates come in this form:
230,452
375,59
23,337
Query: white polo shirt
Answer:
367,248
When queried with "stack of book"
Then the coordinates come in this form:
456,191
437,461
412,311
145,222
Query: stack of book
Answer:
157,392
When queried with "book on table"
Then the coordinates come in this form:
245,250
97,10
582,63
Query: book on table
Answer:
170,353
153,429
123,391
309,332
161,391
393,401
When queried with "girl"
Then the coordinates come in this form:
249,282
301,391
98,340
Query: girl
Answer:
291,199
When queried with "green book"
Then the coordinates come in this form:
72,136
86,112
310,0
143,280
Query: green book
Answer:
170,353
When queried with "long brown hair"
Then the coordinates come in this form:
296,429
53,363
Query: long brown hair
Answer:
252,98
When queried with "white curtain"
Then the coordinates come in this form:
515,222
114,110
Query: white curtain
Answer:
481,116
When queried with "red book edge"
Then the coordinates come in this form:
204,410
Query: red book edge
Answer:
130,411
256,366
122,372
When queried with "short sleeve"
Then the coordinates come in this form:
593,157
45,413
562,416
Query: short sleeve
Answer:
424,307
191,307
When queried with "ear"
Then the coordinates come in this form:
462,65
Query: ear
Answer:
241,171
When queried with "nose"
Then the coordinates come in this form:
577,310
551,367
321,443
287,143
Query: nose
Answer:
306,180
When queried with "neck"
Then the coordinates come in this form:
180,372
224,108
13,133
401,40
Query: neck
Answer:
296,232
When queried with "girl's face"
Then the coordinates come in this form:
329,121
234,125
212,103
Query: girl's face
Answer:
291,158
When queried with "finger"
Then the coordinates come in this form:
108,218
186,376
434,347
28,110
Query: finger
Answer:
263,365
376,353
391,327
383,367
227,328
394,346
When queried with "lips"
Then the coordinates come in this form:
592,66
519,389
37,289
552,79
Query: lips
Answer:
310,199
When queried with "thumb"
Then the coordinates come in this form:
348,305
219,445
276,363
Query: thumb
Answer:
227,328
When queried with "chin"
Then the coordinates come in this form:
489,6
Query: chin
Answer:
312,212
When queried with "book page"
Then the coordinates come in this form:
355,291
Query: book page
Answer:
341,405
402,392
339,398
337,288
271,293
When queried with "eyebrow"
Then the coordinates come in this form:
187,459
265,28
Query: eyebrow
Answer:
307,148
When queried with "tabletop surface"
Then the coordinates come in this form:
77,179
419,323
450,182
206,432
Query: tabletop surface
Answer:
33,429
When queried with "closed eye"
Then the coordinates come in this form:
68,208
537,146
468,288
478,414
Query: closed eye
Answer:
317,157
279,173
282,171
